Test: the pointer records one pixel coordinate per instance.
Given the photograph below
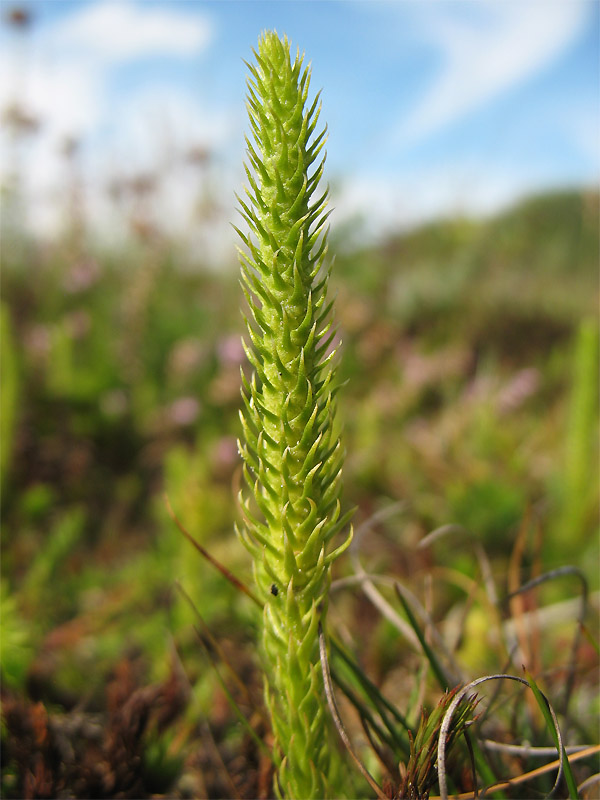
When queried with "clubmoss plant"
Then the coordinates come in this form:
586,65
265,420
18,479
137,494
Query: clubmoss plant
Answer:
291,449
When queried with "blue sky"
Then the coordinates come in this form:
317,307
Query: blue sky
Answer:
433,108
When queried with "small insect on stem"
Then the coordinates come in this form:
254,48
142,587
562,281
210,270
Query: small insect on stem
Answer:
274,590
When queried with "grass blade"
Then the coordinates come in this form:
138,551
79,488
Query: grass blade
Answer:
337,719
381,702
552,723
436,666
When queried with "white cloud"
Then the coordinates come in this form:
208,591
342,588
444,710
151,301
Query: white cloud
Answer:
582,127
154,135
67,100
70,77
164,119
67,83
64,82
492,48
385,204
121,31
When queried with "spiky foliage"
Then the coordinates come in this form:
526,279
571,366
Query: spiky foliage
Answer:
291,450
420,774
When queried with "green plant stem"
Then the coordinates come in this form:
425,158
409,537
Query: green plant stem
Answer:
291,450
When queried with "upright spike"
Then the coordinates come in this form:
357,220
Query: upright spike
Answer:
291,453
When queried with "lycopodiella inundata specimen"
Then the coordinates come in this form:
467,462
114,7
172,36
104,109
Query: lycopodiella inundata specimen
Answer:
290,446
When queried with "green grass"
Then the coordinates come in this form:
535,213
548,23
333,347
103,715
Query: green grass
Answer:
468,400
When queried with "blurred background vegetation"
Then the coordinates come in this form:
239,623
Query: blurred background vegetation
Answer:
470,351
